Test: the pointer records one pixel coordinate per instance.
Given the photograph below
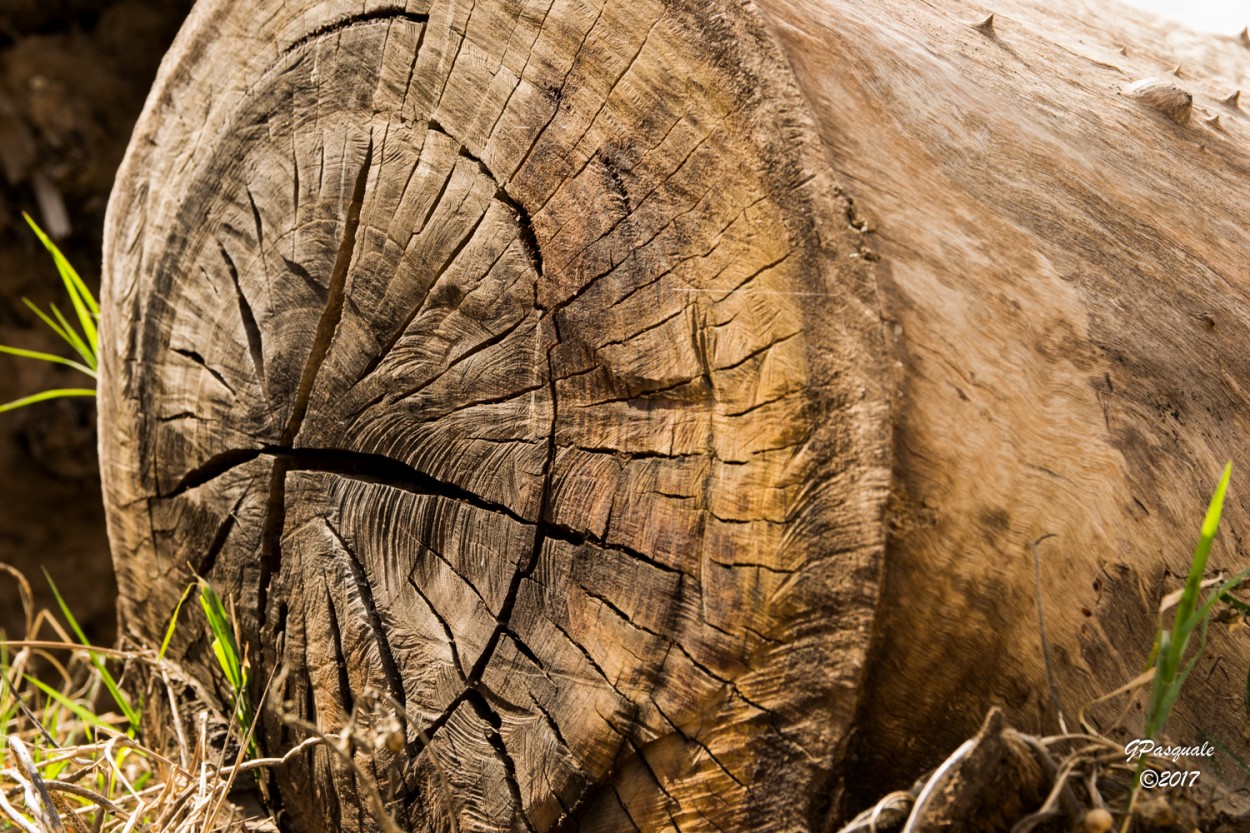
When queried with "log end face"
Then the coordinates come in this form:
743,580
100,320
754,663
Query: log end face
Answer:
531,405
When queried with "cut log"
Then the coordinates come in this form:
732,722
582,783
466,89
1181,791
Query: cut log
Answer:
472,351
527,372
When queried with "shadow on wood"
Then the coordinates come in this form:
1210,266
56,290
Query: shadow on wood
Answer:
532,373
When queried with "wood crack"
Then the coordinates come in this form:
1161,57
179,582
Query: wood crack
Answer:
390,668
481,346
496,741
640,753
271,535
212,468
505,612
442,621
756,352
622,615
332,314
356,465
198,359
695,740
336,635
250,329
577,538
525,228
219,540
364,19
303,274
386,349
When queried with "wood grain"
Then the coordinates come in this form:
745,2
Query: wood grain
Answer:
1063,269
652,405
512,368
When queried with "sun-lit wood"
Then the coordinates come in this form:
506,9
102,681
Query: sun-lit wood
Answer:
652,404
508,361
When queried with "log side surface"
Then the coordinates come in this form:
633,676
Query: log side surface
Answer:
1064,269
515,370
556,376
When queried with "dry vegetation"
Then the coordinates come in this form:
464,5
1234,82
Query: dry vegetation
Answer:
1011,781
73,759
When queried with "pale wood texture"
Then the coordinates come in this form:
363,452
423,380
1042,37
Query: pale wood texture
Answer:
1064,270
512,360
568,373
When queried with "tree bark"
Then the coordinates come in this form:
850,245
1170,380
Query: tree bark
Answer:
602,388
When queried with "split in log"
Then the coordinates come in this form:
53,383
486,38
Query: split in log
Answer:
507,362
528,370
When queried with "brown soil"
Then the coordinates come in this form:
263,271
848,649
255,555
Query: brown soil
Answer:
73,76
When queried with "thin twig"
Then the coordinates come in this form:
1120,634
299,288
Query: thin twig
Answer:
37,797
257,763
1041,627
83,792
25,709
17,818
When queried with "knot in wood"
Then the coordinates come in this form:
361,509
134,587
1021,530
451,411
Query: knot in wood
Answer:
1165,95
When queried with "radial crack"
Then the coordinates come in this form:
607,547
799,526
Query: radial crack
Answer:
219,540
198,359
271,535
374,16
495,739
447,632
250,328
387,348
361,577
336,638
333,312
505,612
212,468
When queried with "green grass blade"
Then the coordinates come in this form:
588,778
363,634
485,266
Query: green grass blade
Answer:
224,644
1158,685
44,396
226,650
81,347
84,301
173,621
80,711
1198,566
1191,613
80,297
1174,690
1221,593
122,701
57,256
226,660
86,344
45,318
47,357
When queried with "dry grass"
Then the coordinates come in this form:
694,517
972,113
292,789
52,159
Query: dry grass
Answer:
71,761
1086,782
1086,773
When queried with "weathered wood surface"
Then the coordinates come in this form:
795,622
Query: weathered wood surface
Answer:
475,350
530,364
1064,276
